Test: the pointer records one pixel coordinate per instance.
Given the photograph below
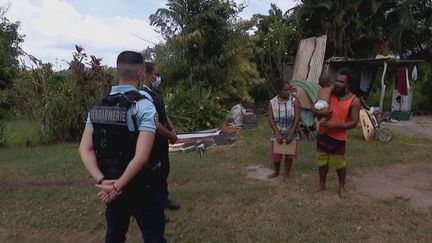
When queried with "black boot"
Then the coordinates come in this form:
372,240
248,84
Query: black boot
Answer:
170,204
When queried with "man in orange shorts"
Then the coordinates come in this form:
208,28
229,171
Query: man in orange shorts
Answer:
333,134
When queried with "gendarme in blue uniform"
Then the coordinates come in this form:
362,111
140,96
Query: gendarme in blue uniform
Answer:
161,147
145,110
143,202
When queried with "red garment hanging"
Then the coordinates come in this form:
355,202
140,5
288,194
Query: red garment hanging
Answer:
402,86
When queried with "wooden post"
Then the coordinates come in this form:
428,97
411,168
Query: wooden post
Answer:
383,87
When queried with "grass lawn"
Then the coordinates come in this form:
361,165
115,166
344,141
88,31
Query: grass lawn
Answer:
47,196
18,131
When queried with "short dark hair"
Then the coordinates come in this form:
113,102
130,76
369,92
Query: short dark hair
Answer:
280,84
129,63
350,74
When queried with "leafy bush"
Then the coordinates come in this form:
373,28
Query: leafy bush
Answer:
57,103
422,96
5,105
10,50
66,113
86,81
191,111
31,96
263,92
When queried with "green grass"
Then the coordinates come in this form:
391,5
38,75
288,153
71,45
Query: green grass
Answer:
19,131
46,196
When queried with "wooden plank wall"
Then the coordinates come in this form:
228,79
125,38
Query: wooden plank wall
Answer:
316,62
309,59
304,54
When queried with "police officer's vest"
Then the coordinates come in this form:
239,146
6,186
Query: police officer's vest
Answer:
113,142
158,103
160,145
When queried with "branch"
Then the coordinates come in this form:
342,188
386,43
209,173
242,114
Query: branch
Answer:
141,38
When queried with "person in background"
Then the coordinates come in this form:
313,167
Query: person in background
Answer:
165,132
235,116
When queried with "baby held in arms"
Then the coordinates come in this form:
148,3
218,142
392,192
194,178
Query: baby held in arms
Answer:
323,102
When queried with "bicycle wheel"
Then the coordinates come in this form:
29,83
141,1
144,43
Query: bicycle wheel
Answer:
384,135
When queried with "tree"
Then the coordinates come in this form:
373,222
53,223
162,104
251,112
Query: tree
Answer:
10,41
10,49
276,41
207,43
416,42
355,27
207,56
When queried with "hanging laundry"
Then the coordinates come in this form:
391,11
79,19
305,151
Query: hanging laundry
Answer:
365,80
414,75
402,81
407,80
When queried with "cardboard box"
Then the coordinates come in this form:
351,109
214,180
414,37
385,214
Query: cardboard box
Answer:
288,149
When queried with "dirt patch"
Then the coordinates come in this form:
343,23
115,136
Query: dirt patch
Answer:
260,172
301,187
411,181
418,126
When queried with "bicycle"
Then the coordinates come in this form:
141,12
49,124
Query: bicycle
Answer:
371,119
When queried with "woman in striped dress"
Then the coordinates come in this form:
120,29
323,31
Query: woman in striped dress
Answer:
284,118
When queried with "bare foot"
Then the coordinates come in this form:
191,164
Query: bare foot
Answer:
320,188
285,177
273,175
343,193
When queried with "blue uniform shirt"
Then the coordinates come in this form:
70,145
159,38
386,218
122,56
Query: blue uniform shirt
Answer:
145,110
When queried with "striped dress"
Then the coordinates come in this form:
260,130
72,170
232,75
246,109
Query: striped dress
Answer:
283,115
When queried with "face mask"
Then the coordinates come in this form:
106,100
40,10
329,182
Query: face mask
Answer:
157,82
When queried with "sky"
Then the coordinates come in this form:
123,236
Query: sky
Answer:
103,27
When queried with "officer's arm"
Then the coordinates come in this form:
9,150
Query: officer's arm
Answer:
171,125
88,155
163,131
142,153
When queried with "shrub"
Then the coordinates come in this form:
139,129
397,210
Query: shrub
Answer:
31,96
5,105
58,102
194,109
